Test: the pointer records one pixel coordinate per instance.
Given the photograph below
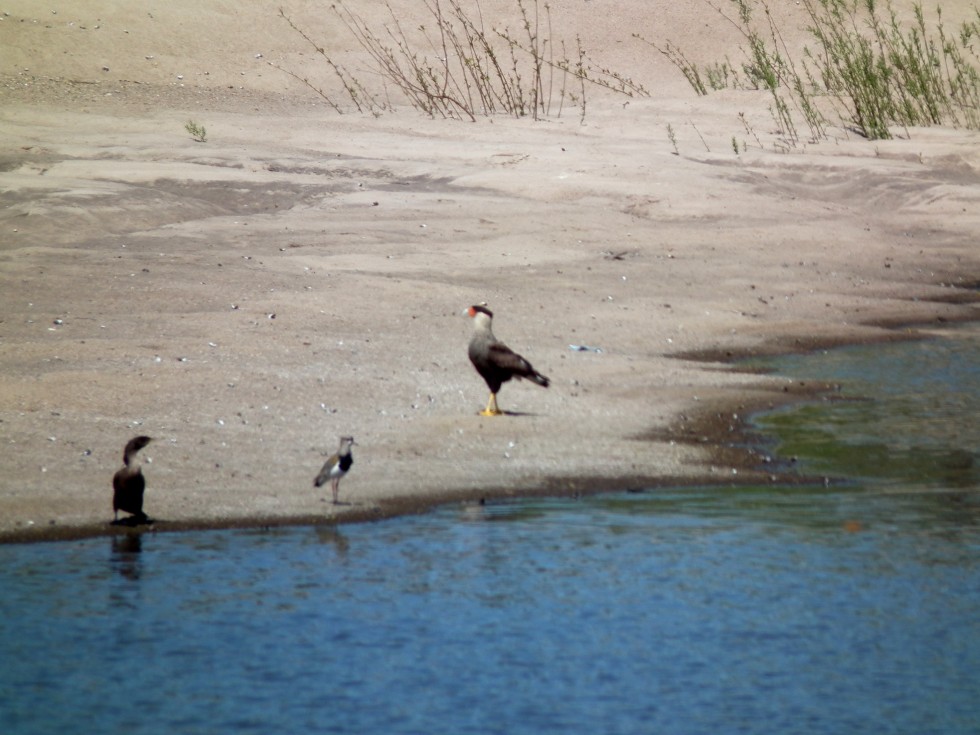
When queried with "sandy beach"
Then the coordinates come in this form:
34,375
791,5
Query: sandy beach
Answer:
302,274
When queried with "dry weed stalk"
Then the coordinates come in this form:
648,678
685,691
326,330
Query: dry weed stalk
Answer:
458,68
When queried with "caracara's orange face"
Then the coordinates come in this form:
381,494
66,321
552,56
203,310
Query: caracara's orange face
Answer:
479,309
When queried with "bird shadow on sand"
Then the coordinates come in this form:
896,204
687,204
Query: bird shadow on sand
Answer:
515,414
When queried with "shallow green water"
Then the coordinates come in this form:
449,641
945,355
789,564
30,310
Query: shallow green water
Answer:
905,414
847,608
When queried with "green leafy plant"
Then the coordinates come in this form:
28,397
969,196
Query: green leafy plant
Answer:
875,71
197,132
893,74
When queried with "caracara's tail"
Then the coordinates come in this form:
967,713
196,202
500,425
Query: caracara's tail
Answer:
538,378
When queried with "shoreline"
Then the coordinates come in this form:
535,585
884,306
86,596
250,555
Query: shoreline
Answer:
722,427
298,277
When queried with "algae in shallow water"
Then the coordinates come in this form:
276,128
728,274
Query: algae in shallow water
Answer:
905,413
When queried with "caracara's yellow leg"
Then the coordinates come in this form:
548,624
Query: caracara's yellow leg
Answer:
491,409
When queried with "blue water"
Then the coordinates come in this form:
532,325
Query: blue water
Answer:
845,608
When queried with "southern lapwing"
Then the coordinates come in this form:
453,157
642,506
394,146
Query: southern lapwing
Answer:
336,467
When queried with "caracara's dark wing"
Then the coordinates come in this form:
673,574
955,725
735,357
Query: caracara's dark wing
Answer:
505,361
502,357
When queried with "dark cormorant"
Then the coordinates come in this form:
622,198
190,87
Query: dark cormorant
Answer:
128,484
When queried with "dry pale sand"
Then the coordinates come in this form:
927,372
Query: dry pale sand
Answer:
301,274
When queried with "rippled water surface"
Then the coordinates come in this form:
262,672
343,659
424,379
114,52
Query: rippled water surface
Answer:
848,608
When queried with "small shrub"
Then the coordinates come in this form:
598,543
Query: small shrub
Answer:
891,74
672,137
197,132
877,72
